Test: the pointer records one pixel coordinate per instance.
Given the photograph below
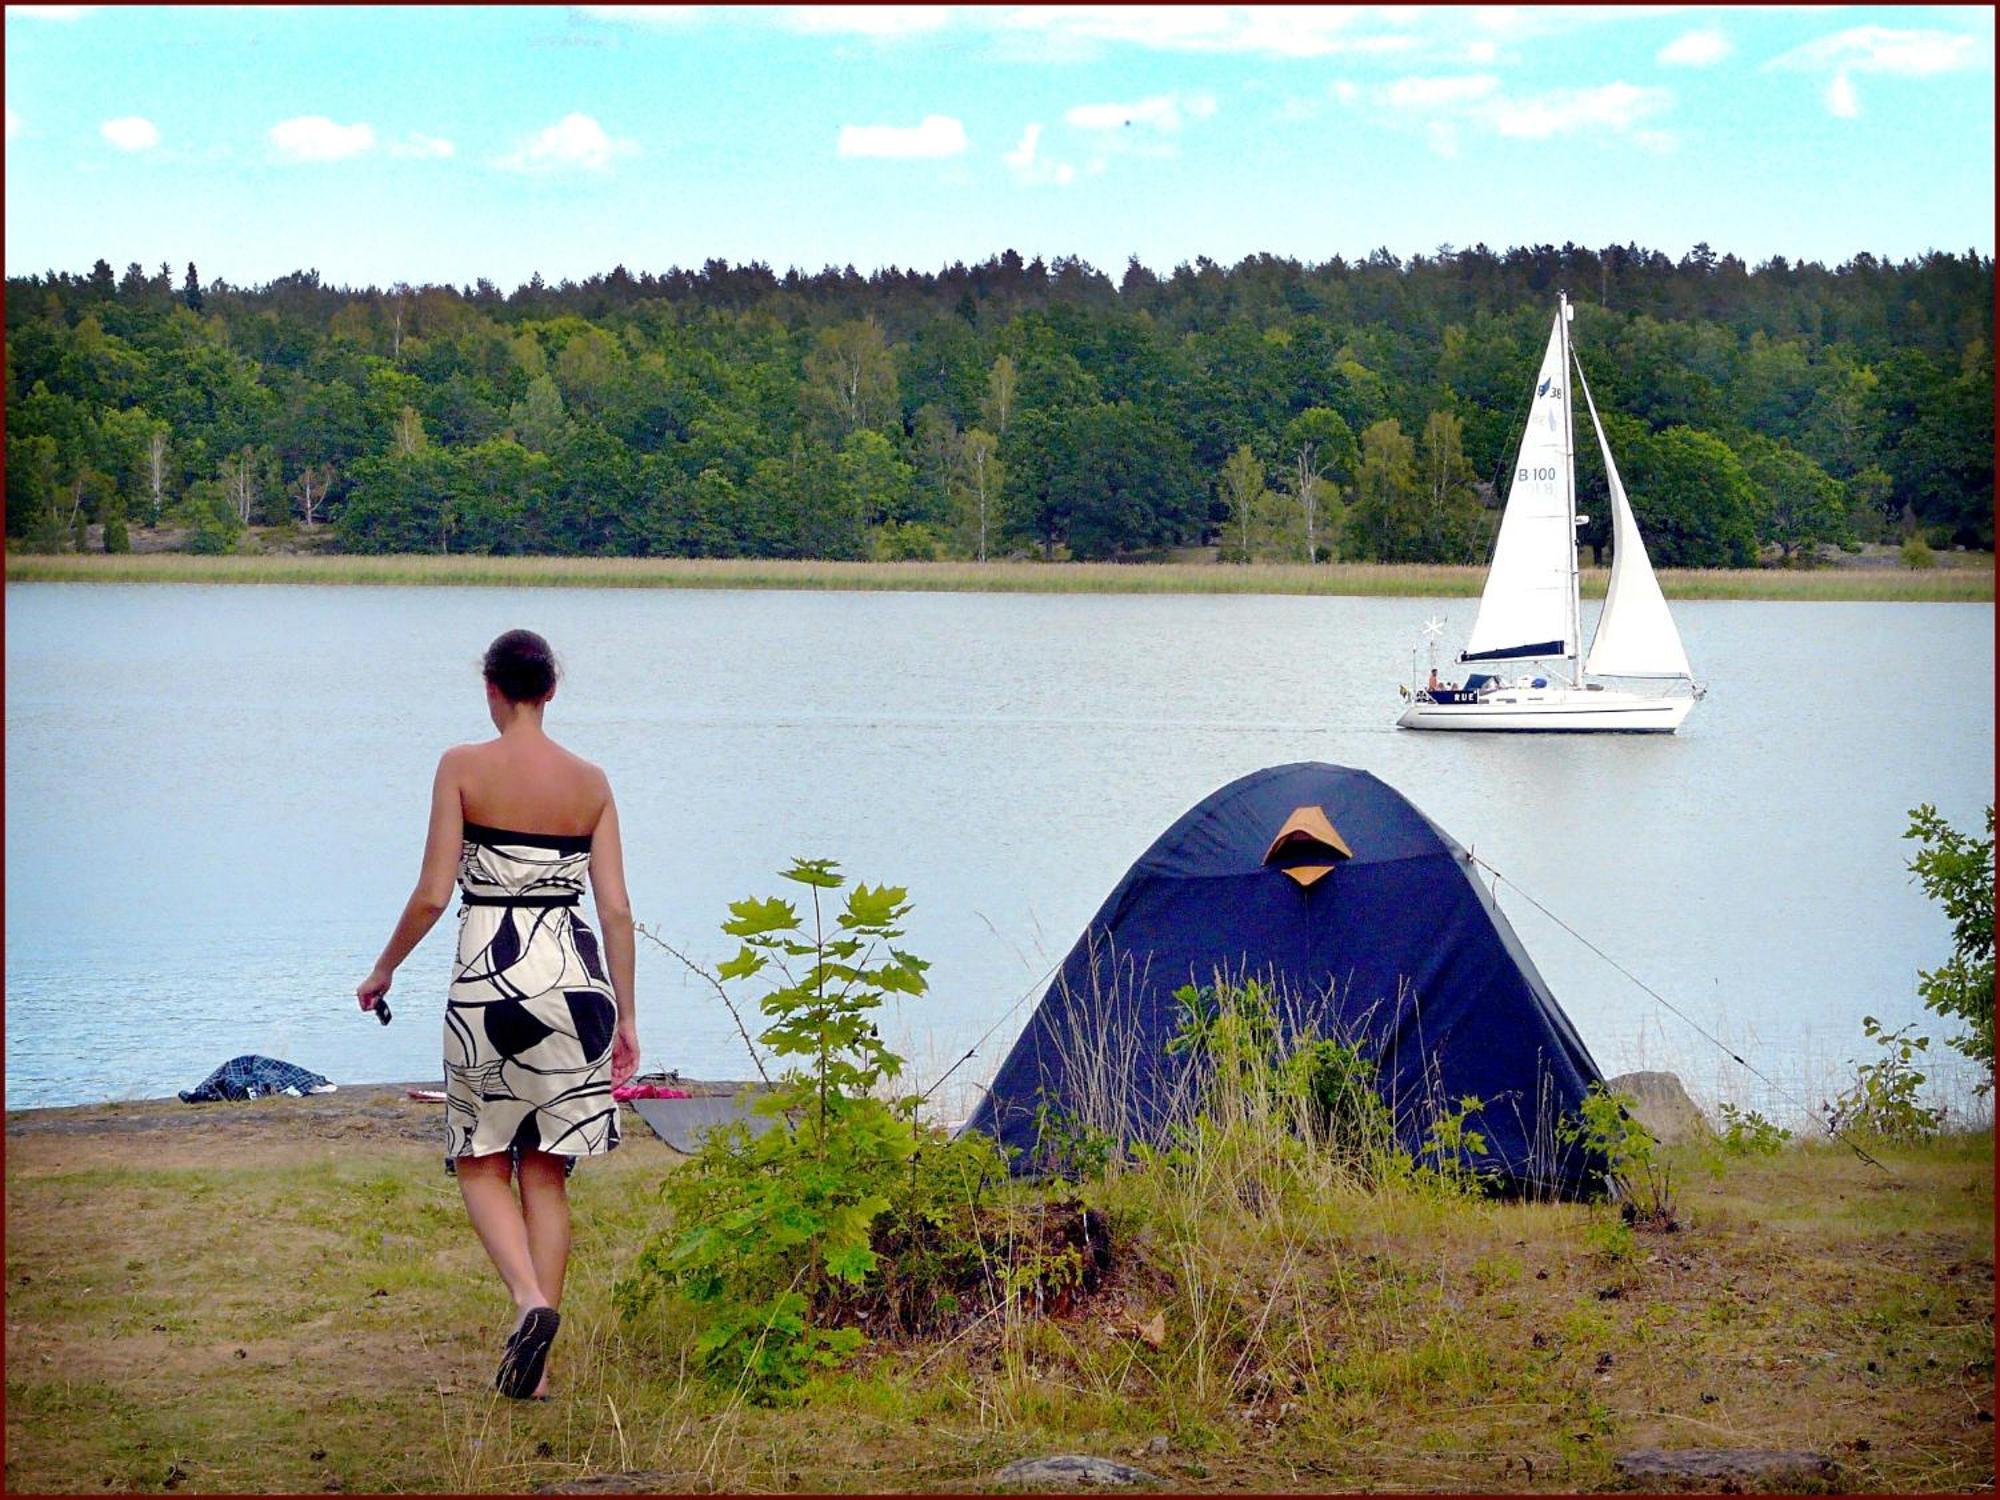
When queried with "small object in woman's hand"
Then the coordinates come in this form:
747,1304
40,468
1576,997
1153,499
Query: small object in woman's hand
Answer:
382,1010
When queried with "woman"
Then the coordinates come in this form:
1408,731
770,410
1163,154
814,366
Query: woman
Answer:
534,1036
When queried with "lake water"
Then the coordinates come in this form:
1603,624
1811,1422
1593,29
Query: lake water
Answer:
215,804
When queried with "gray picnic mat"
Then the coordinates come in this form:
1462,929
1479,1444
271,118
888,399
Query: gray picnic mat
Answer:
681,1123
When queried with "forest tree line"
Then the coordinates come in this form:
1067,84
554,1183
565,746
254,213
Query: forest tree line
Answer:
1361,410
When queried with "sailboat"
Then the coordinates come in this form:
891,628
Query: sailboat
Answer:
1529,616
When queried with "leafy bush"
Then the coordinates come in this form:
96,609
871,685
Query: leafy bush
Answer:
1884,1102
1747,1133
1606,1129
210,540
1917,552
769,1226
1958,871
846,1208
117,535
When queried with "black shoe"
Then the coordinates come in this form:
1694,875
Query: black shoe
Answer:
527,1353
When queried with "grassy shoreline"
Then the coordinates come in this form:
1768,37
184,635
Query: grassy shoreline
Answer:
283,1296
1965,584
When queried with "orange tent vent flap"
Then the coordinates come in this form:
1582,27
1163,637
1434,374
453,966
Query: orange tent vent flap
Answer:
1307,833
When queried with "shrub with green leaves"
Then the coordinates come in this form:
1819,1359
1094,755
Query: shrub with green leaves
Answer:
773,1231
1606,1130
1957,870
1885,1101
1747,1133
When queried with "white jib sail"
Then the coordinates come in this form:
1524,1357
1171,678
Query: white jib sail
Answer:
1525,609
1635,636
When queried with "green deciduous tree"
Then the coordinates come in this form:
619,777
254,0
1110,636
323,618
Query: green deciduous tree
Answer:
977,484
850,377
1245,498
538,418
1383,525
1319,455
1450,524
1801,505
1956,871
878,481
1101,479
1694,503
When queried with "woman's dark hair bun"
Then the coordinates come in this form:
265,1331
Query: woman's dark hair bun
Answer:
522,666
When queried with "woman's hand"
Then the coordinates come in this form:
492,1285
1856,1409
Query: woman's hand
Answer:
624,1054
374,987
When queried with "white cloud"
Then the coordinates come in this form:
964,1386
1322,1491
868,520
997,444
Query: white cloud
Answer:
1448,105
1274,30
1695,49
1163,112
1030,168
1432,93
131,133
576,143
1466,34
1612,107
13,123
316,138
866,20
938,135
419,146
1882,49
641,15
51,12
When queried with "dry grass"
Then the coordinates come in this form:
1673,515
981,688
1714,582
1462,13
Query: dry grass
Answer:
283,1297
1943,584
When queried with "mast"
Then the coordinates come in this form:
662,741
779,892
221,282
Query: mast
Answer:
1575,657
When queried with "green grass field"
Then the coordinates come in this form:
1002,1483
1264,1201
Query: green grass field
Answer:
284,1296
1958,584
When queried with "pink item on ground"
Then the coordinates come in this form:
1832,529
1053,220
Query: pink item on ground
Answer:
626,1091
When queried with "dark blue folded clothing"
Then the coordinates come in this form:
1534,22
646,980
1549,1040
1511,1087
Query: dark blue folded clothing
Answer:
250,1076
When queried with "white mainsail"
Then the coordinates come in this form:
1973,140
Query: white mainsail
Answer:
1525,609
1636,636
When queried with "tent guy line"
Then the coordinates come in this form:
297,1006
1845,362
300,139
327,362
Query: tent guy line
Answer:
1697,1027
1034,988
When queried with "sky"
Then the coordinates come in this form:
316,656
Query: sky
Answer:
378,145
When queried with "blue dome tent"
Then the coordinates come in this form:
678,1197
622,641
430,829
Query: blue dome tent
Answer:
1329,886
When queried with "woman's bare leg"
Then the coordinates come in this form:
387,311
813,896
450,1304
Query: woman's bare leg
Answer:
545,1208
502,1228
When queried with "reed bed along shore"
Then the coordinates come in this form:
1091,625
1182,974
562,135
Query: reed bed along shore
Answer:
1945,584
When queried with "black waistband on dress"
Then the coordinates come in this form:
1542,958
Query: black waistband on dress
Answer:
562,843
472,898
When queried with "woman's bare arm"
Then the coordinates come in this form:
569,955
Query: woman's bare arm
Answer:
614,920
442,848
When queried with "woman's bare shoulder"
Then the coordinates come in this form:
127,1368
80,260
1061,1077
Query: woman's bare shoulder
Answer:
586,776
459,757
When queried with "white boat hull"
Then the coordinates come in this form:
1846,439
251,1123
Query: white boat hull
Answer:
1554,710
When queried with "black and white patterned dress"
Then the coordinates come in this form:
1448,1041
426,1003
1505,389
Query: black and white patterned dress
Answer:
529,1022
